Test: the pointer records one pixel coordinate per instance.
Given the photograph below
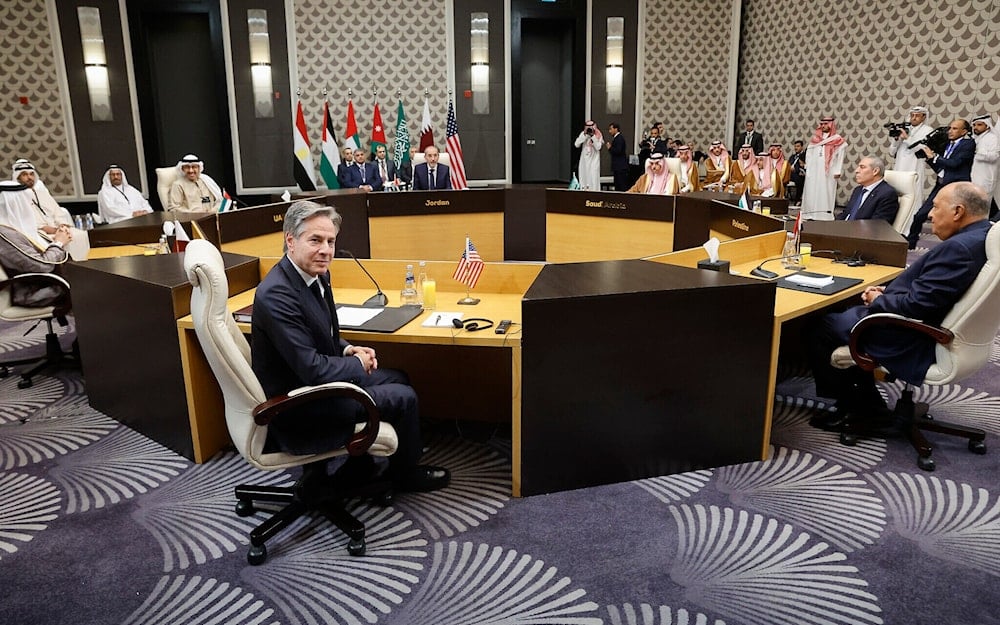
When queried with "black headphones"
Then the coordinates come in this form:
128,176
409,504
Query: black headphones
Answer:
472,325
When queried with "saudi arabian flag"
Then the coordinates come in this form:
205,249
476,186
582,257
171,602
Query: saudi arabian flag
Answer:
330,156
401,148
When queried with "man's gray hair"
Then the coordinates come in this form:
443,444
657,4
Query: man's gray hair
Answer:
302,211
877,163
973,198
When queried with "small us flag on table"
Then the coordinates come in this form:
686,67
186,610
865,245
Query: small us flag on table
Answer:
470,265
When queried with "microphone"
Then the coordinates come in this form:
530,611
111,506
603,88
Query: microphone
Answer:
767,274
379,300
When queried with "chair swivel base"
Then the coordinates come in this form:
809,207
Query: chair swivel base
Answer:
915,419
314,491
54,355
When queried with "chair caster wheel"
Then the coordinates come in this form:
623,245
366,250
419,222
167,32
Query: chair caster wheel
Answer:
977,447
926,464
257,555
384,500
24,384
356,547
244,508
848,439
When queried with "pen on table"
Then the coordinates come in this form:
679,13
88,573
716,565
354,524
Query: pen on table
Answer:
438,320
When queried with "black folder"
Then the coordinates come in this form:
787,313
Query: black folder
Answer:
839,284
389,320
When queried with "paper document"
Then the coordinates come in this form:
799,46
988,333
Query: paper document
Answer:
816,282
440,319
354,316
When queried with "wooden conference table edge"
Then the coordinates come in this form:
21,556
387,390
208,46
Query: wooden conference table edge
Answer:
746,254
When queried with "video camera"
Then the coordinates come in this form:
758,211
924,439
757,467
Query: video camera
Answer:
936,140
896,129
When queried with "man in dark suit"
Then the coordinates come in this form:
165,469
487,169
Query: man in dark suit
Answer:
873,198
296,342
750,137
360,175
406,168
927,290
385,168
954,165
431,175
798,162
619,157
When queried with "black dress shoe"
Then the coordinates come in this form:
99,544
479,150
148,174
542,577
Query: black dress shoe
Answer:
829,421
422,478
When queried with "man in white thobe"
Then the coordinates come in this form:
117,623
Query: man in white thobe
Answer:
589,171
118,200
908,158
824,160
49,216
986,165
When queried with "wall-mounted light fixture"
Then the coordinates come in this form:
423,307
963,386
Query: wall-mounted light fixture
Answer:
479,39
615,64
260,63
95,63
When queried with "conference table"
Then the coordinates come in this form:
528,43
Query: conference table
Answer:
612,369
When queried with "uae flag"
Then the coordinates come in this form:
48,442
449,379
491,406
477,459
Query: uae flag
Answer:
329,159
302,164
351,138
426,132
378,130
401,148
454,149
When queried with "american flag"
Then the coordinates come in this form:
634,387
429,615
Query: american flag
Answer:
470,265
455,151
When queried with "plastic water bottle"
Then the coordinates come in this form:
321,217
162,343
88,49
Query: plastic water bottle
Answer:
408,296
78,222
88,222
421,277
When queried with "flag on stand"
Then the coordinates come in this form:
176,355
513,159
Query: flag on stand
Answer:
470,265
798,224
227,203
744,202
378,130
302,164
329,158
351,138
401,148
426,132
454,149
574,183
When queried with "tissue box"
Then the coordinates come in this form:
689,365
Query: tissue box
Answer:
719,265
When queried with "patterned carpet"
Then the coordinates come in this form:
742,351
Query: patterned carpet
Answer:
101,525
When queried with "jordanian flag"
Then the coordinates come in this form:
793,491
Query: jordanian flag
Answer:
401,148
351,138
378,130
302,164
329,159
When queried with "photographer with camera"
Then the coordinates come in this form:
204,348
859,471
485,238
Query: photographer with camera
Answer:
904,144
954,164
589,169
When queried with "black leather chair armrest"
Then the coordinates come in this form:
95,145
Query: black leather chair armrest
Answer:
882,320
361,440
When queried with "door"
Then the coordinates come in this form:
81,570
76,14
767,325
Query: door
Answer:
546,69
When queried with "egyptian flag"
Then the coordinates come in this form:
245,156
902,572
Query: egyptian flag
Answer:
302,164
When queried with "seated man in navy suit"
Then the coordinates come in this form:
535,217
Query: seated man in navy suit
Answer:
873,198
296,342
360,175
927,290
431,175
384,167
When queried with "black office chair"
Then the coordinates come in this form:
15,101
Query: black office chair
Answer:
964,341
249,411
54,354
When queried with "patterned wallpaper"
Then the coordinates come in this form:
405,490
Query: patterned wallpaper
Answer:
34,130
866,63
400,49
686,66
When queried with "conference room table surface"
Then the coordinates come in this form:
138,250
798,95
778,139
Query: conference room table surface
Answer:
433,372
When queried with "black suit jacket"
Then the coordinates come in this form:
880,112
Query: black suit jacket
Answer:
442,177
958,166
881,203
757,142
296,342
352,179
619,153
390,168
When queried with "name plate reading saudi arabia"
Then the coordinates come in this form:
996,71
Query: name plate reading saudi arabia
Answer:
437,203
621,206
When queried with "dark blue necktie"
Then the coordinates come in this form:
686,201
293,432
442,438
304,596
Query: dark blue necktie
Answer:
857,205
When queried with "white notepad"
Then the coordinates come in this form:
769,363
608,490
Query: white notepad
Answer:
815,282
440,319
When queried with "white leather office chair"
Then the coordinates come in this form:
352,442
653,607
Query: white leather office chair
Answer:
165,177
964,339
248,413
14,313
905,184
443,159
